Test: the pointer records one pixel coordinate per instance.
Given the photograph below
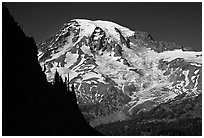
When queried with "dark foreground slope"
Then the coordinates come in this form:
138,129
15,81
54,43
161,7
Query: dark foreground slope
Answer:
30,105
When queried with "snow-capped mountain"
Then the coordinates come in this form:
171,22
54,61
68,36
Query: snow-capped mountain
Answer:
118,72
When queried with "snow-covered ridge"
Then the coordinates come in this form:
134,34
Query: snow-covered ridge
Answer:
187,55
87,27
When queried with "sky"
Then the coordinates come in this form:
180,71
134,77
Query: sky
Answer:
178,22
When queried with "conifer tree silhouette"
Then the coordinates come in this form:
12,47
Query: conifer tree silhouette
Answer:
30,105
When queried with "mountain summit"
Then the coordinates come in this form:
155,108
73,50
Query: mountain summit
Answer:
119,73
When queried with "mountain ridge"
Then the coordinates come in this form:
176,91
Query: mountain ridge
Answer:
118,69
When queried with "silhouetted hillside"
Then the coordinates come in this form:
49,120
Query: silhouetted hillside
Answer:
31,105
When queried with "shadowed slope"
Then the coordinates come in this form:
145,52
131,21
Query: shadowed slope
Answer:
32,106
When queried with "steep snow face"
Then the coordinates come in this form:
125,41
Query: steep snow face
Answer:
123,70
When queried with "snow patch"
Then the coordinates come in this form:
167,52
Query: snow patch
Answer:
187,55
70,59
193,78
91,75
186,77
194,64
196,83
195,72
